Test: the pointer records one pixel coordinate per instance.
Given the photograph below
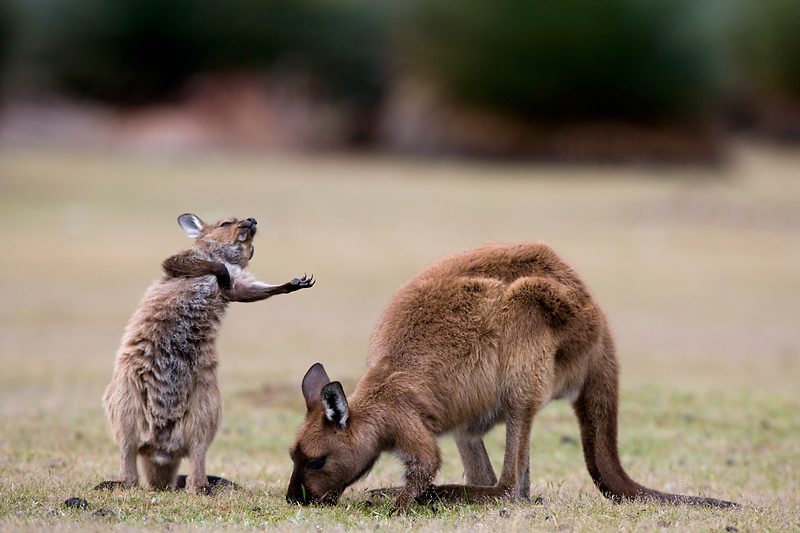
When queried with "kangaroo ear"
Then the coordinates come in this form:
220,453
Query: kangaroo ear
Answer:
335,403
192,225
314,380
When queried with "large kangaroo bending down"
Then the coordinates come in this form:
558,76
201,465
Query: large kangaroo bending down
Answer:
163,403
483,336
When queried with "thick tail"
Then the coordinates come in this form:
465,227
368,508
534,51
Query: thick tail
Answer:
596,409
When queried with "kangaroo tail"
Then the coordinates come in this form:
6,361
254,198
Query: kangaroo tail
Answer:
596,409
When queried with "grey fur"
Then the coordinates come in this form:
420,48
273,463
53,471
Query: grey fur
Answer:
163,402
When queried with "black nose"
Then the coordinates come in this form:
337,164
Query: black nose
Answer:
249,223
295,499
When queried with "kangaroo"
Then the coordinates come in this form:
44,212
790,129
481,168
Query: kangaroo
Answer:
483,336
163,403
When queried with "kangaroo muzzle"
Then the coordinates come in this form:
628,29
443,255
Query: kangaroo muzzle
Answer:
247,229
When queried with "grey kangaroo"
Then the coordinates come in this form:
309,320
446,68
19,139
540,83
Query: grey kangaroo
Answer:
483,336
163,403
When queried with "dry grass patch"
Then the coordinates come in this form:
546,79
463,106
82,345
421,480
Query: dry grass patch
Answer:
697,270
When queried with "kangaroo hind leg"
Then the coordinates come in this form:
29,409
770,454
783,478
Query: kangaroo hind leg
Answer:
128,473
514,480
478,469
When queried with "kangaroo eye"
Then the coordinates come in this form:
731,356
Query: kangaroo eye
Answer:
224,224
318,463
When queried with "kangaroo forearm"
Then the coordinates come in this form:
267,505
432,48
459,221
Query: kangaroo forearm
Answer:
256,291
179,266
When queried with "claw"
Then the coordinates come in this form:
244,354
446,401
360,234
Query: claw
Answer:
304,282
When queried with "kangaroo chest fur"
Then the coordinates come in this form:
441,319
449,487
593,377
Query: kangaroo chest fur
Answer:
169,345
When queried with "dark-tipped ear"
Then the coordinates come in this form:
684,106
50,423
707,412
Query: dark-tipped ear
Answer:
314,380
335,403
192,225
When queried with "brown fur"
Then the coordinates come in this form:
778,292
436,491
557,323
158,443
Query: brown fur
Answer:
480,337
163,403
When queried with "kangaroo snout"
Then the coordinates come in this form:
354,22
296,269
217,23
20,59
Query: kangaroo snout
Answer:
249,227
303,497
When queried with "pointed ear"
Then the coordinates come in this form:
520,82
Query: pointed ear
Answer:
314,380
335,404
192,225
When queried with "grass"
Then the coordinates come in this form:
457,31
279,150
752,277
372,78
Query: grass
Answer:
696,268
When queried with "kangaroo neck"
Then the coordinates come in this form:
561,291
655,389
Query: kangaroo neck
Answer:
234,255
384,409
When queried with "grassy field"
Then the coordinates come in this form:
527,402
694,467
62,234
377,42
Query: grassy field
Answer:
697,269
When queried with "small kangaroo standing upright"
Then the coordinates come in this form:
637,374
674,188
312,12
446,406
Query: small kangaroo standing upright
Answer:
163,403
480,337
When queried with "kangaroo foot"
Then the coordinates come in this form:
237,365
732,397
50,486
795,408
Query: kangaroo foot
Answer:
112,485
386,492
214,483
463,493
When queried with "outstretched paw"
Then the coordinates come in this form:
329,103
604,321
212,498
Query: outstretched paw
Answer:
302,283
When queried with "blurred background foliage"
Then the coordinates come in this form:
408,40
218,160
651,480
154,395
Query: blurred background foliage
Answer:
767,49
639,61
6,25
617,59
771,46
138,51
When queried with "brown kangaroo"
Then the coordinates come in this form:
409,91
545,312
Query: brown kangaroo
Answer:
483,336
163,403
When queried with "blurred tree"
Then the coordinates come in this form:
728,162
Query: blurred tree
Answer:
126,51
6,23
770,46
568,59
768,85
134,51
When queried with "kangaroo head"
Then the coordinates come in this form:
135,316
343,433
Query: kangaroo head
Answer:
328,454
230,239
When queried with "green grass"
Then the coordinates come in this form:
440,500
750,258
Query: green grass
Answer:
667,443
696,269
